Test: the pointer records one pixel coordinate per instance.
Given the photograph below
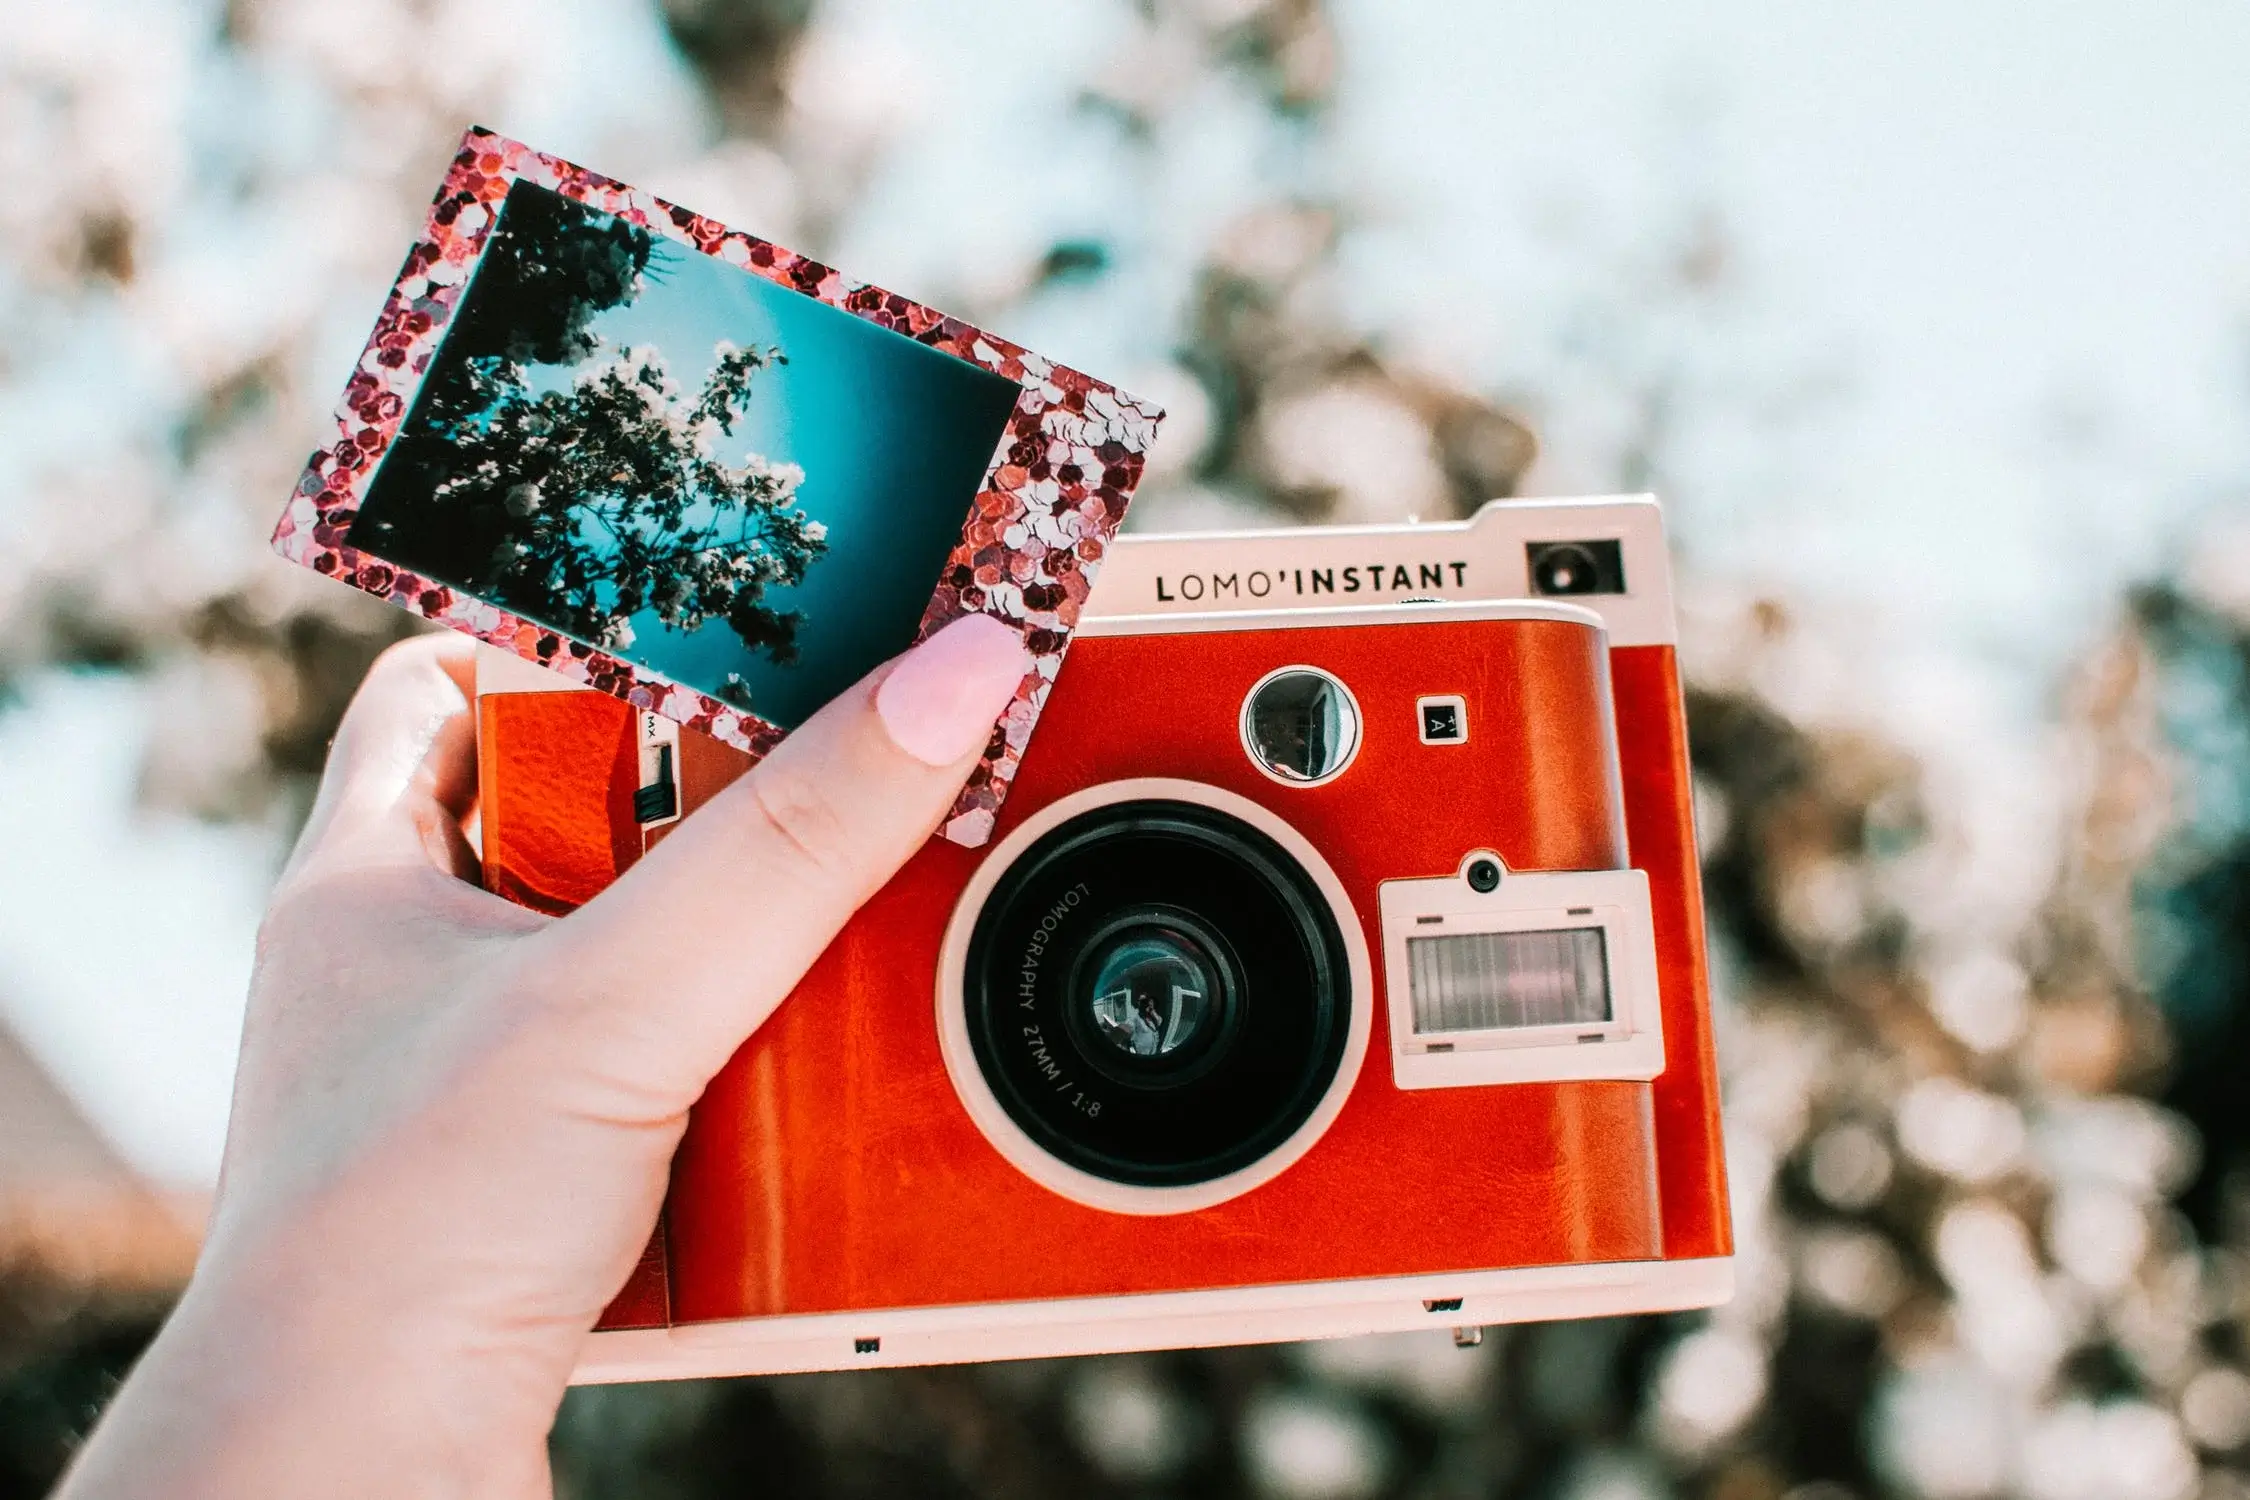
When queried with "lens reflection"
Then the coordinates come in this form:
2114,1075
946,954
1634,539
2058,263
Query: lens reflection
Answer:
1301,726
1152,993
1566,570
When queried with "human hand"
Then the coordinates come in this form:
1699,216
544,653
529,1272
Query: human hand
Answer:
453,1117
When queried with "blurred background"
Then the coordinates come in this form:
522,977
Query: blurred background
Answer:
1931,323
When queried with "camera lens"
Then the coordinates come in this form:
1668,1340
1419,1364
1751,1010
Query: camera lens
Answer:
1157,993
1151,992
1484,876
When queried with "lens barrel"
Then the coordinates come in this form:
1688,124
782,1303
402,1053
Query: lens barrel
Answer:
1157,993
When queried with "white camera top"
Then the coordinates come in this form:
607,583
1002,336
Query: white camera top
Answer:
1607,554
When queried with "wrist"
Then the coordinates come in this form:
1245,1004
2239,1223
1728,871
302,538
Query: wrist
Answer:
280,1372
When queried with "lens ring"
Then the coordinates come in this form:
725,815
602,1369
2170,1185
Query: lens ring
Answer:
1483,876
999,1129
1279,1044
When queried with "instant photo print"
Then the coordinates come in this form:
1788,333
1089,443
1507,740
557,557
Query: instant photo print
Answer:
1337,967
705,475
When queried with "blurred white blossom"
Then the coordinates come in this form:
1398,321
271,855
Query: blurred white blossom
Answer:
2122,1450
1945,1430
1304,1448
1134,1427
1960,1131
1708,1385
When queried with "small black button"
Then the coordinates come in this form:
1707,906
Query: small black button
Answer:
1445,719
660,799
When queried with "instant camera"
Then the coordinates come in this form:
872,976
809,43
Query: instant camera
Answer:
1336,966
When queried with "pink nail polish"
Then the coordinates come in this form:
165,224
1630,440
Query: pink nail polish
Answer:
940,701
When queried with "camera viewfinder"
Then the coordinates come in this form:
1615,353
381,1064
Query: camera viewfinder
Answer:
1590,567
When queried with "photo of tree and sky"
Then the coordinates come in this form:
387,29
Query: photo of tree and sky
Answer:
652,451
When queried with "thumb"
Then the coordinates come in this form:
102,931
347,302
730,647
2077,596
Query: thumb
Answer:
402,772
723,917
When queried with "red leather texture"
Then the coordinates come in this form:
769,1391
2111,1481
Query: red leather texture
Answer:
645,1301
1691,1169
555,782
831,1166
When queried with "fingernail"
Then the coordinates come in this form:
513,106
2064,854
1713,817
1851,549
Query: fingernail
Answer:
940,701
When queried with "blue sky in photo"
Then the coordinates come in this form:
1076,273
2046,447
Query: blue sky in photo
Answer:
893,437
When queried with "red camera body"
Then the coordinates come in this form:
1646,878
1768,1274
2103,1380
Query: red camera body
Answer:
1337,966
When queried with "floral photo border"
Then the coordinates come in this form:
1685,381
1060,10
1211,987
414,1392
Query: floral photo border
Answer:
1043,518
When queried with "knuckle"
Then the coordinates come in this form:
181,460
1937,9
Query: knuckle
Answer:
800,815
417,659
415,654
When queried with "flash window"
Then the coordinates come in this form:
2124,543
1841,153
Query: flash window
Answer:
1520,976
1494,981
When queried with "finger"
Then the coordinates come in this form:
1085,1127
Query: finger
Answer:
402,772
730,910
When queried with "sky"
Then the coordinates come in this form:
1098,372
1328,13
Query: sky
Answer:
1992,264
1982,363
2015,232
125,941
